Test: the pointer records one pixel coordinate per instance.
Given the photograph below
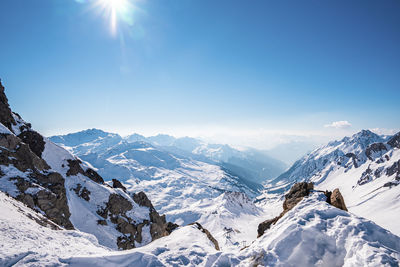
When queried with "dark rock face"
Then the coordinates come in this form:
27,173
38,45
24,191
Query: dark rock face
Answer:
395,168
395,140
265,225
296,194
208,234
34,140
116,209
142,199
6,117
354,159
375,148
75,168
118,184
336,199
52,199
84,193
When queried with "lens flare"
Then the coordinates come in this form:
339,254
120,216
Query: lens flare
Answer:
117,11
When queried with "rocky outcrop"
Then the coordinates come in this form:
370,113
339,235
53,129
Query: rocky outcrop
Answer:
50,198
27,177
208,234
6,117
84,193
394,169
395,140
295,195
34,140
159,226
336,199
375,148
116,210
75,168
118,184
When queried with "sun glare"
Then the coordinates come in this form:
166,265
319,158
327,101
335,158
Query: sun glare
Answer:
115,11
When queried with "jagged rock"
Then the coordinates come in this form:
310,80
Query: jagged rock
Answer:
375,148
365,177
55,207
264,226
208,234
336,199
296,194
34,140
102,222
118,184
395,140
142,199
395,168
118,205
75,168
6,117
84,193
171,227
354,159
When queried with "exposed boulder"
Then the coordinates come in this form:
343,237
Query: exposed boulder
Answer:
34,140
265,225
118,184
395,140
6,117
296,194
394,169
75,168
142,199
208,234
336,199
84,193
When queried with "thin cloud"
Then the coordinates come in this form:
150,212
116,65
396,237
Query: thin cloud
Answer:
338,125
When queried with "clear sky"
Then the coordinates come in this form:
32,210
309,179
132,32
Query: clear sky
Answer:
232,70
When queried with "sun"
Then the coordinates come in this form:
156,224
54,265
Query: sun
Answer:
116,10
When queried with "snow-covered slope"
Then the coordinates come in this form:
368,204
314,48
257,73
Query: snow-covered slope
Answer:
177,184
67,191
313,233
366,169
252,164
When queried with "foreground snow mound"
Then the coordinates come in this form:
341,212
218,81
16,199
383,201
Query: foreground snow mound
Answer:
187,246
25,242
315,233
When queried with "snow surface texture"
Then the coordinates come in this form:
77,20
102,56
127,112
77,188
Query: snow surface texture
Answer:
361,177
25,242
313,233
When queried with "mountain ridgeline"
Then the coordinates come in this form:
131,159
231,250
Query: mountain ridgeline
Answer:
70,194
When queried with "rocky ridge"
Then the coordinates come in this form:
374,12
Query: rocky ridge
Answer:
50,180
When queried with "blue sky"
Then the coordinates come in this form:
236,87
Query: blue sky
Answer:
232,70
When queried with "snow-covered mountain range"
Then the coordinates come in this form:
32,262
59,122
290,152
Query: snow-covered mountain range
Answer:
366,169
177,174
253,164
61,205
